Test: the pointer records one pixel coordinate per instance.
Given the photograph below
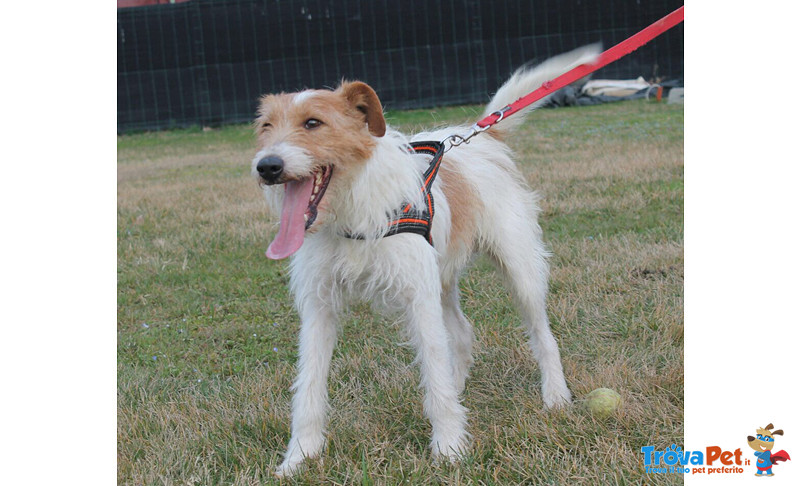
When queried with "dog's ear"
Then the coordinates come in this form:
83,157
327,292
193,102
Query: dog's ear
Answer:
769,427
778,432
364,99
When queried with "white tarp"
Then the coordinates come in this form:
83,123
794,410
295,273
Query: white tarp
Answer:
615,87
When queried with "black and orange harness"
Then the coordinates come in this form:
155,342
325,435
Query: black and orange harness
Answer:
411,219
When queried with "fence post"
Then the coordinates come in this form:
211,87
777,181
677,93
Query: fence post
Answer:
199,71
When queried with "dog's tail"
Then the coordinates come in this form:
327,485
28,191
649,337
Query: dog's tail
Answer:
527,79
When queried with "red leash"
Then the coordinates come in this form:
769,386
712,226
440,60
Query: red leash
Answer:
622,49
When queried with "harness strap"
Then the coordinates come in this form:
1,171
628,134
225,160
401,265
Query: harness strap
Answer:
409,218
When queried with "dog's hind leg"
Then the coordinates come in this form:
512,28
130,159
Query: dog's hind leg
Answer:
519,252
461,334
310,400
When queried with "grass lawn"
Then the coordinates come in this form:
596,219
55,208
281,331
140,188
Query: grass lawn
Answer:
207,332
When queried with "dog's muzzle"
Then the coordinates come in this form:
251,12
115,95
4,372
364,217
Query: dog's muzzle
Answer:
270,169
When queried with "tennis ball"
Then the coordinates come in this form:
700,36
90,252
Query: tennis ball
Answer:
603,402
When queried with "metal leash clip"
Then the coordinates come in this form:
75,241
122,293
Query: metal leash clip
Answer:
456,139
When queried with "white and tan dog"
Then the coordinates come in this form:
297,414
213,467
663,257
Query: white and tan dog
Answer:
331,168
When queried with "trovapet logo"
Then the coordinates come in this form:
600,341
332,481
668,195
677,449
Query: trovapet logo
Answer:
714,460
673,460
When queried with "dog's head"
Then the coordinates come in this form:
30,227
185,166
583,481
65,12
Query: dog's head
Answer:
307,141
764,439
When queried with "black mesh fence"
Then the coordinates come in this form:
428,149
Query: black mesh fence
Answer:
206,62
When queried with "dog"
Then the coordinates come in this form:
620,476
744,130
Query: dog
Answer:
763,443
337,176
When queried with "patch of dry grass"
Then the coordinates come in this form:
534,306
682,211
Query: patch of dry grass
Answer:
206,332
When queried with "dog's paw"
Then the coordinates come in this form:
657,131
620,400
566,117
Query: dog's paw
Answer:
292,462
557,400
450,449
288,468
299,450
452,456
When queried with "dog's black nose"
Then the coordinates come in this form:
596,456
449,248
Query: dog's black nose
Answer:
270,168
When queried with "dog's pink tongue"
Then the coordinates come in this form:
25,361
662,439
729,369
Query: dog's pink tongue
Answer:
293,224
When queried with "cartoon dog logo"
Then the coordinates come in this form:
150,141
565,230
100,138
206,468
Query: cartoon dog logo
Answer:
763,443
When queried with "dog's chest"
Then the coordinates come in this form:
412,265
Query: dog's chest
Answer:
374,271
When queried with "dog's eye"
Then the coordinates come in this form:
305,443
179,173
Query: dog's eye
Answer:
312,123
266,125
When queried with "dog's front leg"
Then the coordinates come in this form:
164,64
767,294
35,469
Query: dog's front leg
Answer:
441,403
310,400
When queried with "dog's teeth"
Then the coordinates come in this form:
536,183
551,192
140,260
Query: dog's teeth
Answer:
305,218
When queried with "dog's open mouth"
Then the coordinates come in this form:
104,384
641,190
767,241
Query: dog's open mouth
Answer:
299,212
321,179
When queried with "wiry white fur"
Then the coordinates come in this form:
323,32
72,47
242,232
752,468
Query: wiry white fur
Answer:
362,205
303,95
525,80
406,275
